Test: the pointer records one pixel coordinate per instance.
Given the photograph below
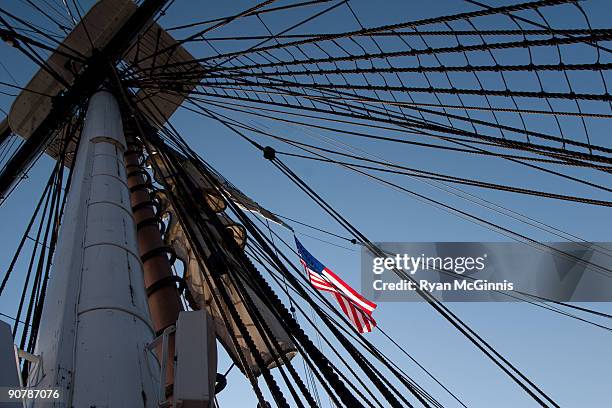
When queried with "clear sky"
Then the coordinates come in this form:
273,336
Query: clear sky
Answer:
570,360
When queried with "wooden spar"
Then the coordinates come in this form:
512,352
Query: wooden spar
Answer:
162,296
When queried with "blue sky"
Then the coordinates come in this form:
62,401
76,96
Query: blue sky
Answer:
568,359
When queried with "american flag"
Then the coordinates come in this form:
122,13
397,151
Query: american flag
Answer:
357,308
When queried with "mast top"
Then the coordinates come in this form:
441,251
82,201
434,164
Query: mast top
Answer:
92,33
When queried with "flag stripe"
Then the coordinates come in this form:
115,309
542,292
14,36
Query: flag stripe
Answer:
350,292
348,311
355,307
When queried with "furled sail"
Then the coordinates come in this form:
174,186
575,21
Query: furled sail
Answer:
202,289
213,196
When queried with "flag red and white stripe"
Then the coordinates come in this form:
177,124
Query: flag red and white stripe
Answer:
357,308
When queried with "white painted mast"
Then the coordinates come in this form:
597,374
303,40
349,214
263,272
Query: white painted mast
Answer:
96,333
95,327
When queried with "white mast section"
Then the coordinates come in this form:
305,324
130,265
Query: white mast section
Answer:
95,326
